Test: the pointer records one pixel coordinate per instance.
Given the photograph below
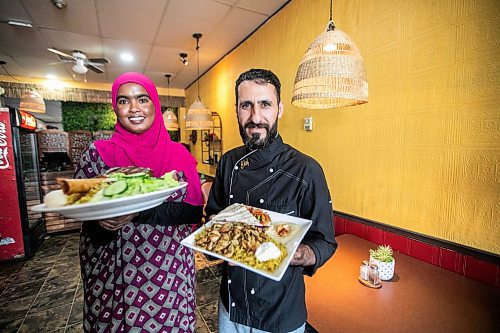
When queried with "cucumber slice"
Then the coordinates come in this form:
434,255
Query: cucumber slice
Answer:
117,187
137,174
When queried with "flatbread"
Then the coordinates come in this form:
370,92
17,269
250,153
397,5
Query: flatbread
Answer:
236,213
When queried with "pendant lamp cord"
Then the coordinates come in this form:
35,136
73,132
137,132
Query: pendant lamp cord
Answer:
168,90
198,56
331,25
2,63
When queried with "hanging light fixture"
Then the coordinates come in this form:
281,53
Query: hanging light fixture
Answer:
331,73
198,117
169,117
184,58
32,101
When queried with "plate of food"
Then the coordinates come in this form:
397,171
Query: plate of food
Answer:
113,194
261,241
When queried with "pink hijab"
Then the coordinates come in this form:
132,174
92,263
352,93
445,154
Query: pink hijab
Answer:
152,149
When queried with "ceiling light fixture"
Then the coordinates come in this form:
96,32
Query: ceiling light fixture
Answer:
331,73
60,4
127,57
198,117
79,67
20,24
54,84
184,59
169,117
32,101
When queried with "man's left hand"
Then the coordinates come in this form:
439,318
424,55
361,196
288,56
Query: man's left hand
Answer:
304,256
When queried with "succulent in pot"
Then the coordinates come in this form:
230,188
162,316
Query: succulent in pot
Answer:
383,258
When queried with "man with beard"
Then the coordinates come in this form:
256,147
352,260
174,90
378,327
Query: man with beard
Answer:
270,174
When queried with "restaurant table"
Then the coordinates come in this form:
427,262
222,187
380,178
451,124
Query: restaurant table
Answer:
419,298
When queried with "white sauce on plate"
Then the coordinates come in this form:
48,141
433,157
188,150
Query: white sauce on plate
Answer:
267,251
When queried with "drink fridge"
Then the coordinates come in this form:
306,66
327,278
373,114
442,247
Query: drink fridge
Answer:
21,230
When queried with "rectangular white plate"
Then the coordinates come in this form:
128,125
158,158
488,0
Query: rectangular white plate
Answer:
291,244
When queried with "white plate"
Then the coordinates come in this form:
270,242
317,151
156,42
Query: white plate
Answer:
111,208
291,244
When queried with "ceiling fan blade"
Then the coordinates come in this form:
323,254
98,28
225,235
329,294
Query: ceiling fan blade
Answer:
94,68
99,60
60,53
62,61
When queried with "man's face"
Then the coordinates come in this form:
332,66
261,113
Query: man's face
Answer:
134,108
258,111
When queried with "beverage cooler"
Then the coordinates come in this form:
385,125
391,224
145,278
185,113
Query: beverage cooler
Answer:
21,230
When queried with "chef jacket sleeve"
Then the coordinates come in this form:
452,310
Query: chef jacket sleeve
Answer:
171,213
317,206
217,198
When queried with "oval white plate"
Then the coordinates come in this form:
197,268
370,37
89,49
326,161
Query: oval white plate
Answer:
111,208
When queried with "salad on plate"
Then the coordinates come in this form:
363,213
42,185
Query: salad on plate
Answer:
116,183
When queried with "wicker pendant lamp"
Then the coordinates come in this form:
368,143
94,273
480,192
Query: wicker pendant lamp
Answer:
32,101
331,73
169,117
198,117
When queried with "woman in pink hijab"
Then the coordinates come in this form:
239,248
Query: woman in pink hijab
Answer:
136,274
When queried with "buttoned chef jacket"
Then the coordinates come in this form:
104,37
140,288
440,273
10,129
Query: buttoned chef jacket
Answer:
284,180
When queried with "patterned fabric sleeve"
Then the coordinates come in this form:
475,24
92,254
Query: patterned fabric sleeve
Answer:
90,164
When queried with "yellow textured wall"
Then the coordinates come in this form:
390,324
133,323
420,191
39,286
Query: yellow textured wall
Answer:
424,153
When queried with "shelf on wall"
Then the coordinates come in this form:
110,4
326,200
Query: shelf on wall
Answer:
211,148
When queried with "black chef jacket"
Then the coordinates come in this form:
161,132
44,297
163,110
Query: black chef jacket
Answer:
281,179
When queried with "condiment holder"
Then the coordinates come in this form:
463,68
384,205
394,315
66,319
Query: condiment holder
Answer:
369,275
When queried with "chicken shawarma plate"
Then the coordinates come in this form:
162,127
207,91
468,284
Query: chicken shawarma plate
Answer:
246,243
263,246
247,235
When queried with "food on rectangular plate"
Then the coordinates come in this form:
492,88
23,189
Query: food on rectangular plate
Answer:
282,231
242,213
267,251
260,215
236,213
240,241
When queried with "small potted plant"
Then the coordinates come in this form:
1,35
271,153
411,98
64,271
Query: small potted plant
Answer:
383,258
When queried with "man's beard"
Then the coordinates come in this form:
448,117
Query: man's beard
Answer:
255,141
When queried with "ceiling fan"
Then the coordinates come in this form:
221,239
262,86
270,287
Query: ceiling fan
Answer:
82,63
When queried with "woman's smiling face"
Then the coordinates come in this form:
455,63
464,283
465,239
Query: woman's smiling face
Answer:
134,108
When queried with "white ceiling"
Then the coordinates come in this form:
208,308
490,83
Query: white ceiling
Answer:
154,31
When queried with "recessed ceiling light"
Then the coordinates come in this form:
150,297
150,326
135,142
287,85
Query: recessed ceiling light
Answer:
127,57
54,84
60,4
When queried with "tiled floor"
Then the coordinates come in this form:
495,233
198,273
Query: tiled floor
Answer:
44,294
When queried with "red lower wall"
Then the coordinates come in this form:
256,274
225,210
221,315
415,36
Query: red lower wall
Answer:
448,259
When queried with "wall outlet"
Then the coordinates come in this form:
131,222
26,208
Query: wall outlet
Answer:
308,124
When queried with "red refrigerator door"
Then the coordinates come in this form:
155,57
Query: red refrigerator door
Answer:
11,234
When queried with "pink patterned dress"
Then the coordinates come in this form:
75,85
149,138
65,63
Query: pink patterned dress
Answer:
138,279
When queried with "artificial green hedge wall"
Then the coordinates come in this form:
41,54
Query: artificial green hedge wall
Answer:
87,116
